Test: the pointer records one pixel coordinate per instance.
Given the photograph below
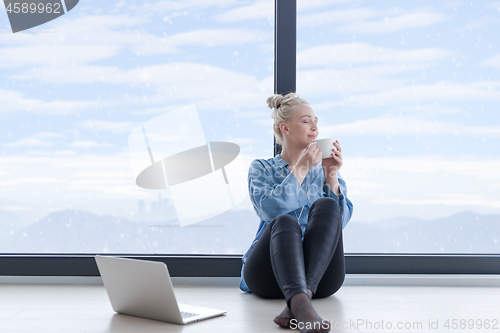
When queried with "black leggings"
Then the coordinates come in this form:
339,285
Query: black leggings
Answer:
280,265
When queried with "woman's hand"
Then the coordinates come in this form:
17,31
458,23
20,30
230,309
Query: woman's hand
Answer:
332,165
310,157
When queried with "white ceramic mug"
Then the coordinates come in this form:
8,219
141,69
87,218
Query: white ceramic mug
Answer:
326,146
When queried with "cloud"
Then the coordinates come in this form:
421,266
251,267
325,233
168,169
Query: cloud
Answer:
321,83
30,181
170,74
35,140
458,200
242,140
176,8
306,5
88,144
28,142
218,37
264,9
17,181
392,24
47,180
13,101
174,85
428,109
442,91
169,7
360,188
408,126
68,172
325,82
108,126
377,80
84,30
158,110
150,44
495,5
73,57
372,168
12,208
260,9
98,37
375,69
358,53
178,83
492,62
49,55
328,17
70,74
389,186
482,22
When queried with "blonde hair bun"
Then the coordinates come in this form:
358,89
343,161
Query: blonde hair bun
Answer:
282,110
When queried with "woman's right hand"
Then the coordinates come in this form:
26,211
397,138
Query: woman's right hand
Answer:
310,157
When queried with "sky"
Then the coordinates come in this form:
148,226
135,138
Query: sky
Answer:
411,93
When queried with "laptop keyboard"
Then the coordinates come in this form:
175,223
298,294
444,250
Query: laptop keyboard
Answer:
187,314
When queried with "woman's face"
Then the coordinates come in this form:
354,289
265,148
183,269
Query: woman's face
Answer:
303,127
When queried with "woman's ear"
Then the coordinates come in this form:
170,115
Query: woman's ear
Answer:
283,128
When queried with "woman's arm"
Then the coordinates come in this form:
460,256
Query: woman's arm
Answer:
345,204
333,184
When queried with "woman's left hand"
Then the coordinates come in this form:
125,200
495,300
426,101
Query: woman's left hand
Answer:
332,165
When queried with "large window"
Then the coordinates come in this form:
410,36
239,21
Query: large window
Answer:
412,91
79,93
111,94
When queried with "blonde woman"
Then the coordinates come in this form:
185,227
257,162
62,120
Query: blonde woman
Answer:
297,253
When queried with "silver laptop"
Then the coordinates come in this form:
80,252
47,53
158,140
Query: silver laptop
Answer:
143,288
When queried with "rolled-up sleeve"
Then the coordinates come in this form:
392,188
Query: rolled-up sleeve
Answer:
345,204
270,199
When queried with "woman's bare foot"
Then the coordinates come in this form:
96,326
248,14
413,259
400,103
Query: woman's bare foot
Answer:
283,319
305,318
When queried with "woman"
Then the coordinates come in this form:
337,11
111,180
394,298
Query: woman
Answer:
298,252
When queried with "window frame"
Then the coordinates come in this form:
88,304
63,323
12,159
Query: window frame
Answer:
230,265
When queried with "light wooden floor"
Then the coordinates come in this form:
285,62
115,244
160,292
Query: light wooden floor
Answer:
86,308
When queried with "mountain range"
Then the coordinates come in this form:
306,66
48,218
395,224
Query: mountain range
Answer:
71,231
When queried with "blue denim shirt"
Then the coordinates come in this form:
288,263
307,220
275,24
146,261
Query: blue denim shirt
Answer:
274,190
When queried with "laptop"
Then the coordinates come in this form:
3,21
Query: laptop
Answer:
143,288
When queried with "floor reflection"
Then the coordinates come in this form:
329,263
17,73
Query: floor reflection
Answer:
125,323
